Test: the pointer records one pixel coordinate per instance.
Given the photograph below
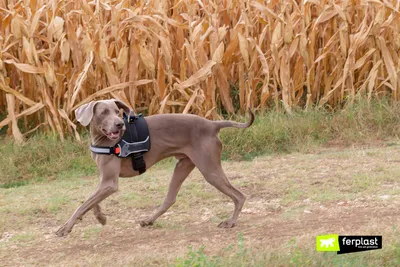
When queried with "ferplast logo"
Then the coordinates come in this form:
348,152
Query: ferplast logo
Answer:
355,243
348,244
327,243
361,242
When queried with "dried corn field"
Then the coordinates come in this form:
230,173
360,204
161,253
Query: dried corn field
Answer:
191,56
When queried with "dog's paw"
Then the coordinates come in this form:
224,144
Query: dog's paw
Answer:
145,223
63,231
102,219
226,224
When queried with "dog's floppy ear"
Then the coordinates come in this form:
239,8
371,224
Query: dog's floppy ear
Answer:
122,105
84,113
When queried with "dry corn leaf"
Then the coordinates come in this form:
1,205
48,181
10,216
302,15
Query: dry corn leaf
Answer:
293,47
81,78
288,32
65,50
163,103
122,58
56,28
361,61
265,94
325,99
27,49
17,27
244,50
147,59
223,86
87,8
276,35
284,79
161,79
266,10
18,137
190,102
325,16
51,108
64,115
197,77
263,61
35,21
29,111
389,64
219,53
25,67
111,89
222,31
242,85
49,74
372,78
17,94
103,54
228,57
340,11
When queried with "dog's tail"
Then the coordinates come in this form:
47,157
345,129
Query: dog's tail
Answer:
224,124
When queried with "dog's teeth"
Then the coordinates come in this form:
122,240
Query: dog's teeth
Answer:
113,135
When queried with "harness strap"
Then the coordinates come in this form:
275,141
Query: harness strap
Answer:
103,150
138,163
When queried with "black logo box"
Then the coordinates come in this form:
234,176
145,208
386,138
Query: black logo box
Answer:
357,243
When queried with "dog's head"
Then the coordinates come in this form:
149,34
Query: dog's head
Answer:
104,116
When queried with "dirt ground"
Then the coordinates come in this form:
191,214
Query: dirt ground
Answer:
351,191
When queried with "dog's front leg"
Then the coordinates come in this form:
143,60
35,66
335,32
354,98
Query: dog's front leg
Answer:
106,187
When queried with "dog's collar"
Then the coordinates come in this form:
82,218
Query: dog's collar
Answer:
123,149
106,150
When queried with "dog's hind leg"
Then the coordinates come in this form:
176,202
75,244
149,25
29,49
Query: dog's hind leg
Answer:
217,178
182,169
207,158
99,215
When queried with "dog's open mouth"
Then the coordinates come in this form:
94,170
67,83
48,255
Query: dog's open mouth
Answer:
113,135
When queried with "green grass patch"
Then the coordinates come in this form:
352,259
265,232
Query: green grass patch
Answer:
45,158
279,132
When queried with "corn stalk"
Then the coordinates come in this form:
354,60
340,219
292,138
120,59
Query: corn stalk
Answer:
191,56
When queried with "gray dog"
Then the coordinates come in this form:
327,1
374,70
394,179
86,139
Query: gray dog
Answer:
193,140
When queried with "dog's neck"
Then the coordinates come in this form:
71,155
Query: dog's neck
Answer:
99,139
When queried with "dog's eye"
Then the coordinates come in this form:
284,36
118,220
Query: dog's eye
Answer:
105,112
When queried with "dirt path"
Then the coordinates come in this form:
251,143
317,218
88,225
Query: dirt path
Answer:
271,219
113,244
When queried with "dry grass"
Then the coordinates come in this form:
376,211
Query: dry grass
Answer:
184,56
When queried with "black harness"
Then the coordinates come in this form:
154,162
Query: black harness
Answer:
134,143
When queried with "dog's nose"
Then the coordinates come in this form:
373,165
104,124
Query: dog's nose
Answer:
119,125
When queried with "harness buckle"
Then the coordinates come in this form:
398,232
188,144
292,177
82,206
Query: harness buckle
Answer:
117,150
123,150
